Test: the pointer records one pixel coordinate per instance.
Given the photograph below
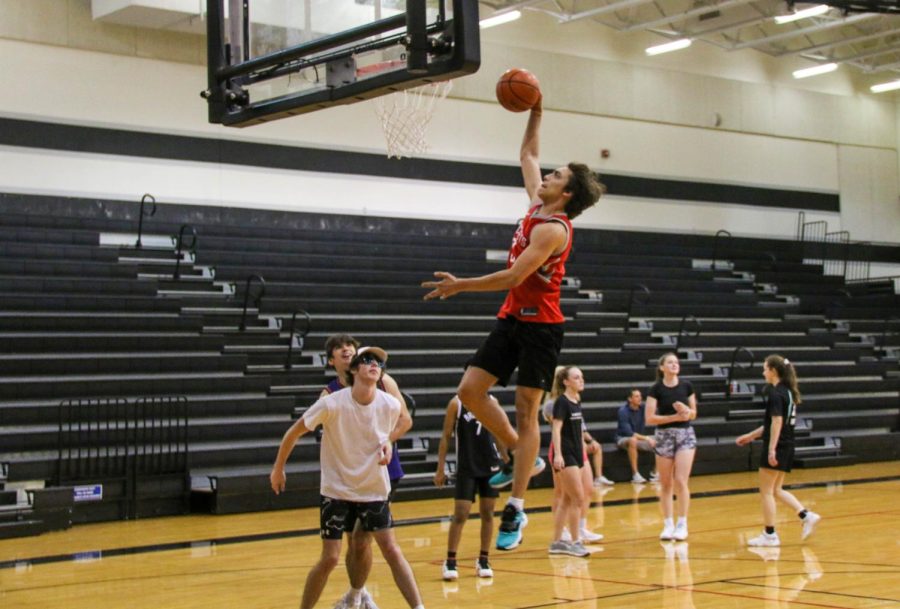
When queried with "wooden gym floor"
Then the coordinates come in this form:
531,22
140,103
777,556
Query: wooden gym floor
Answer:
260,560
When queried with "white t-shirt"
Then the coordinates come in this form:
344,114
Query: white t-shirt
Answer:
349,452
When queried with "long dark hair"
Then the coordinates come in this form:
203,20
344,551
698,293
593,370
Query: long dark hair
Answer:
786,374
659,373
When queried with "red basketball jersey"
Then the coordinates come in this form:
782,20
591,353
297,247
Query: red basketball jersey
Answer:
537,298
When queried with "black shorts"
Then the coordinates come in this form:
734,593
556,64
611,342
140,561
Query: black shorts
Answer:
569,459
467,486
337,516
784,455
533,348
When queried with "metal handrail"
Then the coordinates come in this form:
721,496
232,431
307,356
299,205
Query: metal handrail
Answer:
180,245
729,387
681,330
256,299
774,260
287,363
840,237
719,233
144,199
637,286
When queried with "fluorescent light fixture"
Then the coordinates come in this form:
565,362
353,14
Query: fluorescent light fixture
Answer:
500,19
885,86
825,68
668,47
813,11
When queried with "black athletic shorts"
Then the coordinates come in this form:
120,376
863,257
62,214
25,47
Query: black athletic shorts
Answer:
467,486
337,516
783,453
533,348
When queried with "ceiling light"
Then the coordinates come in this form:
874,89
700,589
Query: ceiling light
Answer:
675,45
500,19
813,11
885,86
815,70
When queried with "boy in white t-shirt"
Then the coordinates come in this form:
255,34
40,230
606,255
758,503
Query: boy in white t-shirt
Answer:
354,480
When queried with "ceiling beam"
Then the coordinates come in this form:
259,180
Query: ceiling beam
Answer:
819,27
602,10
841,42
702,10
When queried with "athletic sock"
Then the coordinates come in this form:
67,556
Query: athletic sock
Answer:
451,559
517,503
770,530
802,513
483,558
355,595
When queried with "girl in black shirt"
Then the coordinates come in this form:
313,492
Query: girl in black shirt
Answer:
568,459
777,434
671,406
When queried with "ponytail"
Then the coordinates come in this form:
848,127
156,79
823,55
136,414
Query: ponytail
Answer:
786,374
559,377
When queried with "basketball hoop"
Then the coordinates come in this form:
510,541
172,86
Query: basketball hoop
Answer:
405,116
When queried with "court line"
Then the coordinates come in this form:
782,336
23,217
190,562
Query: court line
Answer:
261,537
738,581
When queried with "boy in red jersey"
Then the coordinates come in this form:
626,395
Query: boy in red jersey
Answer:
529,330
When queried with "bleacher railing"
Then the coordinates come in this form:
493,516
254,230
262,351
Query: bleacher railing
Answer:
730,383
719,233
299,339
121,444
256,299
638,287
179,247
142,213
681,330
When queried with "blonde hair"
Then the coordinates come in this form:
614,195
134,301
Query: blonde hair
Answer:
662,360
559,379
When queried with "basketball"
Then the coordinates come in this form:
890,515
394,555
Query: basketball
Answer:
518,90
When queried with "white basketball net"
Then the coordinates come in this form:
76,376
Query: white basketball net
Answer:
405,116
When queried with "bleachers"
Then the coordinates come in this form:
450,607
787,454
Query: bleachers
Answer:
85,314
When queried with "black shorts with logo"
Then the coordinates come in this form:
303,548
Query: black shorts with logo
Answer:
337,516
531,347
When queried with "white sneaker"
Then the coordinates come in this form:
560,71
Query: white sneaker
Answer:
603,480
654,476
668,532
566,536
637,478
680,533
590,536
765,540
344,602
365,601
483,571
809,524
449,573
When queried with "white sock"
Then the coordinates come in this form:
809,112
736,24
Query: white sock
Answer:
355,595
667,522
583,524
419,606
517,503
682,521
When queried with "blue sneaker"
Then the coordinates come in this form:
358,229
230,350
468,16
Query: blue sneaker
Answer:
511,524
504,477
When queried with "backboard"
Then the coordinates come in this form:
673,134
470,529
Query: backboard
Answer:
270,59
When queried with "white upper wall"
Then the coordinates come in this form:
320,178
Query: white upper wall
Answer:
657,116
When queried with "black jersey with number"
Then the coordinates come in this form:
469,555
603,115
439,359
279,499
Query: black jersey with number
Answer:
780,403
569,413
666,398
476,453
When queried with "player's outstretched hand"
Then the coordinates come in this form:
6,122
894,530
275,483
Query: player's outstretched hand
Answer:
445,288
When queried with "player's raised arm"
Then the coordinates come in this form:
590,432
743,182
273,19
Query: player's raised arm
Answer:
530,153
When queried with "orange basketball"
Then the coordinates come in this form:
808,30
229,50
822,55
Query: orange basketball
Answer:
518,90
